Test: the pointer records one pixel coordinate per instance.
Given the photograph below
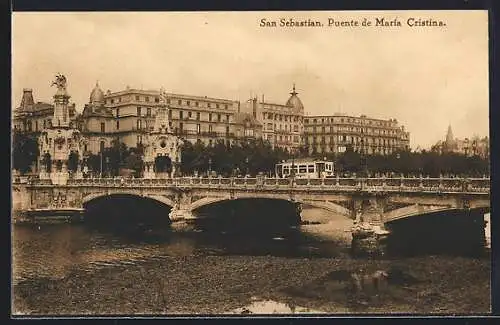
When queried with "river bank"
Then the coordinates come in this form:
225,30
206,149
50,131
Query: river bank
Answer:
220,284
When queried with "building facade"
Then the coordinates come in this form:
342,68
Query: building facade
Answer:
282,124
128,116
474,146
31,116
193,118
334,133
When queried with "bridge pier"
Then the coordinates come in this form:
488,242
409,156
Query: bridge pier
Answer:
368,233
369,240
181,219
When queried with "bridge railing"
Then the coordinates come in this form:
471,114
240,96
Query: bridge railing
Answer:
470,185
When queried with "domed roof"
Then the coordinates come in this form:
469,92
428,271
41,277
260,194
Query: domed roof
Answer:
97,95
294,101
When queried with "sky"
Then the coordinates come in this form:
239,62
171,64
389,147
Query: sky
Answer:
425,77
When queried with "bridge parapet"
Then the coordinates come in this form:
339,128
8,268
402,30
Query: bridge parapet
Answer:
424,185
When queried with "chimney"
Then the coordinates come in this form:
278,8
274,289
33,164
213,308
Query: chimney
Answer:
27,101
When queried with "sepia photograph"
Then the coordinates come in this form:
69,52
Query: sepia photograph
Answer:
250,163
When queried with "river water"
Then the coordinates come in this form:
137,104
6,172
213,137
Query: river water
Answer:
52,251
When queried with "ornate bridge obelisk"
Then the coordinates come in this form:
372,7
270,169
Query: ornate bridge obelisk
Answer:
162,152
59,144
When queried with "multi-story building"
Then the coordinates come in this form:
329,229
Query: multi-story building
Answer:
334,133
475,146
194,118
129,115
33,116
281,124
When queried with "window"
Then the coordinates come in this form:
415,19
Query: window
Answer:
117,112
139,124
196,104
157,100
44,124
210,128
148,111
208,105
198,128
198,116
216,105
179,102
112,101
306,121
103,127
225,106
138,111
137,98
181,126
181,114
188,103
119,99
170,114
210,117
227,129
168,101
218,117
117,125
227,117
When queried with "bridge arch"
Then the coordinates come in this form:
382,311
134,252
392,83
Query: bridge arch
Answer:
325,205
158,198
417,209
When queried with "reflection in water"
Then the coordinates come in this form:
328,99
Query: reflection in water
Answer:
272,307
53,250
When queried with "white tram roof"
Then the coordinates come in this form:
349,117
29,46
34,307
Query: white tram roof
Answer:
305,161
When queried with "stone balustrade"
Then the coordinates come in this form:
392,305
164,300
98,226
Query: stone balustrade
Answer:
399,184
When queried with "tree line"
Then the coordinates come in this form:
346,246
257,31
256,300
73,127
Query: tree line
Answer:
254,156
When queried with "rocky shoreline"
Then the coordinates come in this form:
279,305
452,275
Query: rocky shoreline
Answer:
219,284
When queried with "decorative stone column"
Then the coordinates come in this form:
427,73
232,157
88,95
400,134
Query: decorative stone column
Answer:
148,171
368,233
181,216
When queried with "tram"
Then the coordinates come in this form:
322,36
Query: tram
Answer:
305,168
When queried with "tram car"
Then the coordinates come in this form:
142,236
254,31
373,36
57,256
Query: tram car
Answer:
305,168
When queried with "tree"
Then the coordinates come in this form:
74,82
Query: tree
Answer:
135,163
25,151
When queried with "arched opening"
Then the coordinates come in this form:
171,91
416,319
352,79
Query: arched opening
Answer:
73,161
163,164
263,226
248,214
47,162
59,165
451,232
126,214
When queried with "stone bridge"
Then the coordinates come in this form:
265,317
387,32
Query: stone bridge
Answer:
371,202
376,200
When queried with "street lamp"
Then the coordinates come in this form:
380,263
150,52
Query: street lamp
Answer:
363,159
107,166
246,162
100,174
209,167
